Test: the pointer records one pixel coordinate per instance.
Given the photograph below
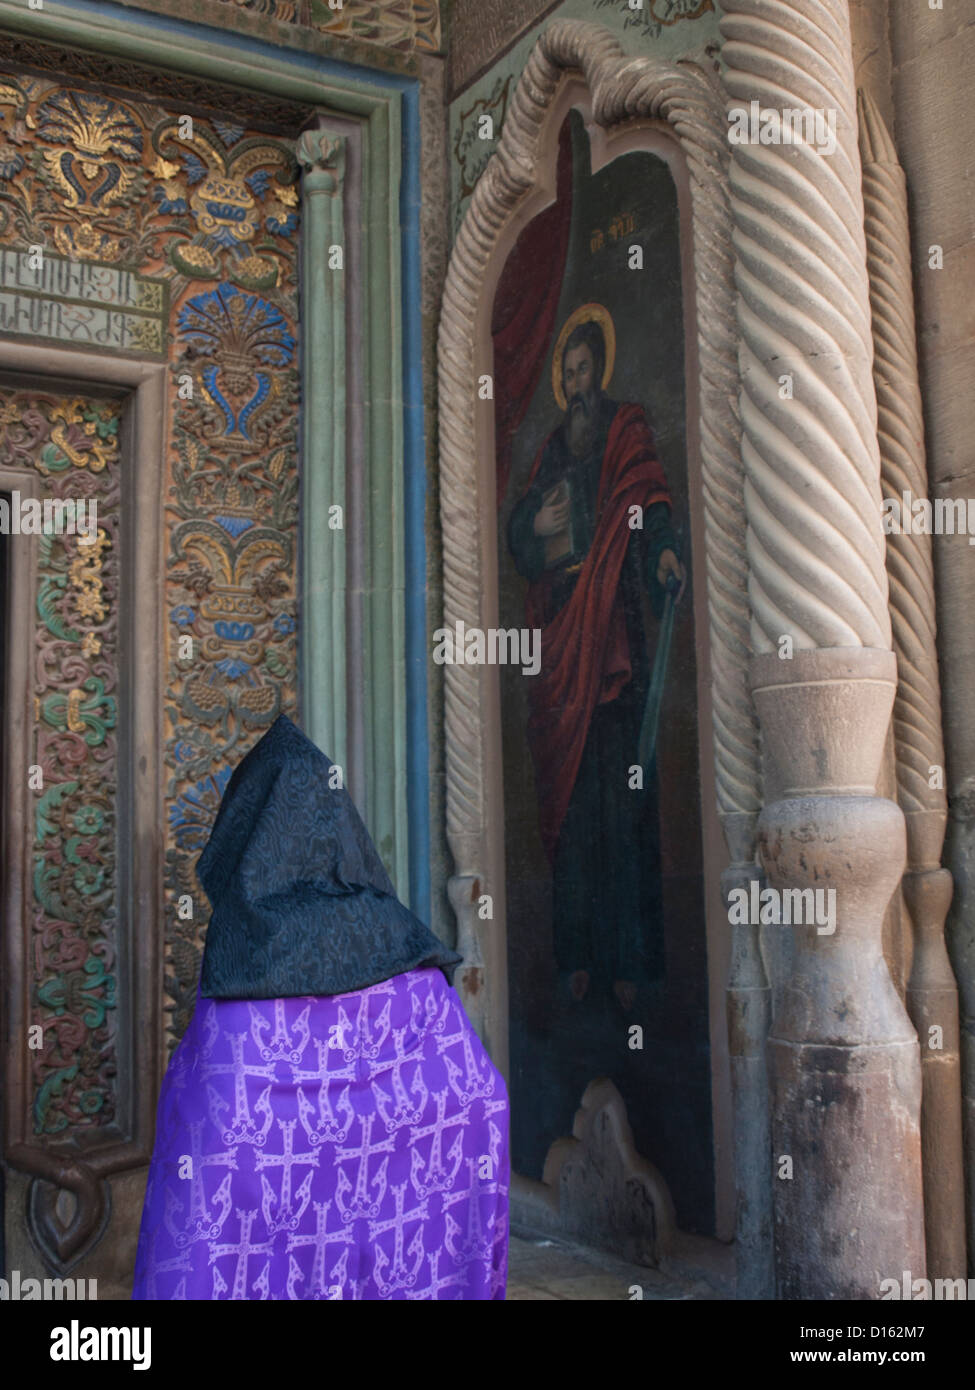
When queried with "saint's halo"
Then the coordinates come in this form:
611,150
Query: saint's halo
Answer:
586,313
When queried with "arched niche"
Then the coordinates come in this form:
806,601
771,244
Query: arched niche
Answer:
675,113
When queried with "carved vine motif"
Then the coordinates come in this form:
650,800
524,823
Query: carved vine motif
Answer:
653,17
409,26
180,91
471,153
73,444
211,214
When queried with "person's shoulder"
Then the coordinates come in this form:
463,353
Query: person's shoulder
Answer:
626,414
632,408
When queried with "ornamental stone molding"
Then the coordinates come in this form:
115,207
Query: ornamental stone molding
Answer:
815,543
687,97
932,993
63,1171
321,156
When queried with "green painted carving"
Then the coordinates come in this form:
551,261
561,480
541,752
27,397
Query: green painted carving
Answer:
72,943
205,480
75,989
51,1090
384,609
96,714
48,805
50,590
323,581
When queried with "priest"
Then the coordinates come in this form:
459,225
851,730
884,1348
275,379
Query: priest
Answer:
330,1125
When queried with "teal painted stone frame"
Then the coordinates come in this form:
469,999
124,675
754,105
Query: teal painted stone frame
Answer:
390,682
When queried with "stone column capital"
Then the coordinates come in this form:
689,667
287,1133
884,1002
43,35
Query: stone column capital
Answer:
321,154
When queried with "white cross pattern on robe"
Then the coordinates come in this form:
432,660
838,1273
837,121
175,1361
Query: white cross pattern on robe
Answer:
243,1251
400,1275
281,1047
321,1240
435,1177
243,1129
437,1281
478,1242
360,1204
403,1112
285,1219
326,1128
155,1266
475,1085
203,1221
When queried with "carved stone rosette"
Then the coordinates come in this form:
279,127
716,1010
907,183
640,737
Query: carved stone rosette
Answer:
843,1056
932,994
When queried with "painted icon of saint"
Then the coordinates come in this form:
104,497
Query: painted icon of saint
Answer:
592,536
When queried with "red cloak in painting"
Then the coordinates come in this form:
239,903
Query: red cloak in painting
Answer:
585,656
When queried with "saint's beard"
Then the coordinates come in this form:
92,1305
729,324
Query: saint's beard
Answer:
580,423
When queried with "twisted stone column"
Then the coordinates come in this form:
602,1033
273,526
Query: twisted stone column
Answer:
932,994
843,1057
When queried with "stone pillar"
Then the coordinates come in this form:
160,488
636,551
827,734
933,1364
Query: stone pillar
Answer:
932,994
749,1011
321,155
843,1057
933,52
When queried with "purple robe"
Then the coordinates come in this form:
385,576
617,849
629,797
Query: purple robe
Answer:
346,1146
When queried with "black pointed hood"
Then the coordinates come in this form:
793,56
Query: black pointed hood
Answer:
301,902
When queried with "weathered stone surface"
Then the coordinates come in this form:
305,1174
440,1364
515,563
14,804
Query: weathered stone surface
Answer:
481,30
843,1057
749,1006
870,37
932,996
933,53
598,1189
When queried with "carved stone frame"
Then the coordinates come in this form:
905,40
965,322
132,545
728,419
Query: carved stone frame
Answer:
685,103
83,1165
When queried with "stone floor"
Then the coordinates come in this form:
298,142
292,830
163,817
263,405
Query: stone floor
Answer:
542,1268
